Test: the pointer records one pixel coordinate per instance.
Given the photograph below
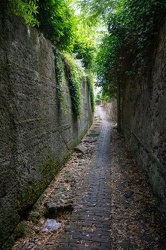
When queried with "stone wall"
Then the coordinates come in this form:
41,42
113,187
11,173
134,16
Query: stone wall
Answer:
111,109
36,132
144,121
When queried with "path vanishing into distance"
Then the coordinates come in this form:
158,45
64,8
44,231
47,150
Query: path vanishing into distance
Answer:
89,226
105,201
115,207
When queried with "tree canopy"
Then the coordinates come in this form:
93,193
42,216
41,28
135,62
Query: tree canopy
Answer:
126,48
57,22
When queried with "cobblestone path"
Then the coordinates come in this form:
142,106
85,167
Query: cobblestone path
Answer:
89,225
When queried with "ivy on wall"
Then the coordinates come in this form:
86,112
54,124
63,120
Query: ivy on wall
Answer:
127,49
75,76
90,81
59,72
57,21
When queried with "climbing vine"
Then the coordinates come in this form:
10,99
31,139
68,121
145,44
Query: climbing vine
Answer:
75,76
90,81
59,72
57,21
136,26
127,50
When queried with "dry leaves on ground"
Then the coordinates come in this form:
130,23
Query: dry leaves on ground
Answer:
61,191
135,221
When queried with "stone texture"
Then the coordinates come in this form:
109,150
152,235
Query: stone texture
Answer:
144,121
36,133
111,109
81,149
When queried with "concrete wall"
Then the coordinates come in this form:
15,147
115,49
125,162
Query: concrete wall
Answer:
144,121
36,132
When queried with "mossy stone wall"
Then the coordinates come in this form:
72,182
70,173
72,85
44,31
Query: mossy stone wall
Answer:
37,132
144,120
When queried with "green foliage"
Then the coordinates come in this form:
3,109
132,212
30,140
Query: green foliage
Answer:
90,81
94,10
59,72
135,25
57,22
84,51
27,9
98,96
75,75
127,51
54,18
84,45
105,60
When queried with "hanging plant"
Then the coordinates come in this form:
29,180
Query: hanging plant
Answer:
75,76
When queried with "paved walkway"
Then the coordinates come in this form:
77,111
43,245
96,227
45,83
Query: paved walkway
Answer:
114,207
89,225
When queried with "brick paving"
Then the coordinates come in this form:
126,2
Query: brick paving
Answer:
114,207
89,225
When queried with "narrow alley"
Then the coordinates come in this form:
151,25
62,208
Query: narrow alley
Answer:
89,226
112,203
